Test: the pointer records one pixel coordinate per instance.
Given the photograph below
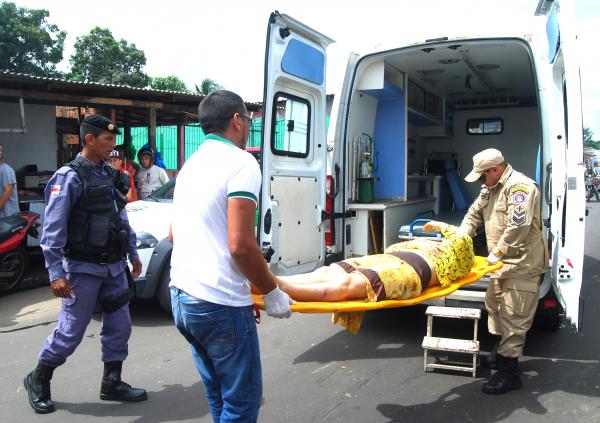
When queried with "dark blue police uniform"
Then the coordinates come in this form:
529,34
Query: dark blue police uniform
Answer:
86,239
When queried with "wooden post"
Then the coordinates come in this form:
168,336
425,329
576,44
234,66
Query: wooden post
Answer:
180,145
126,130
152,128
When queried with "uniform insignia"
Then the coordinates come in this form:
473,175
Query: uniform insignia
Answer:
519,197
55,190
519,215
111,127
520,187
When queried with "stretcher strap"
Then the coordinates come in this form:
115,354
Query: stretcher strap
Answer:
479,269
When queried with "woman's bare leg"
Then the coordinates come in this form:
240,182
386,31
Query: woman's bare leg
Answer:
322,274
340,287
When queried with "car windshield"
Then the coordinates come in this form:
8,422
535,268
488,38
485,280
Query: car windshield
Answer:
164,193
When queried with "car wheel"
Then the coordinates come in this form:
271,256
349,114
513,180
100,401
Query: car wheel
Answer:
164,293
549,322
12,269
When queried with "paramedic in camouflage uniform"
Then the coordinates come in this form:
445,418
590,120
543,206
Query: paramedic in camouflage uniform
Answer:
85,241
509,207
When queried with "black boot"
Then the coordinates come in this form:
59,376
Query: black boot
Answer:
489,361
114,389
506,378
37,384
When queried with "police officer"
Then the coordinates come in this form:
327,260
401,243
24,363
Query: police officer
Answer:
509,208
86,239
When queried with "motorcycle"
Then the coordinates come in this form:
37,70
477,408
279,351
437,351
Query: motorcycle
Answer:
592,186
13,247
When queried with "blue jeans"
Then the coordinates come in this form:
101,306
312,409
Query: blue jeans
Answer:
226,353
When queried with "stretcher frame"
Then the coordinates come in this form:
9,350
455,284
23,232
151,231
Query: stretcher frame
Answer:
479,269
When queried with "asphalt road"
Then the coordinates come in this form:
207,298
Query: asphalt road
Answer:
312,370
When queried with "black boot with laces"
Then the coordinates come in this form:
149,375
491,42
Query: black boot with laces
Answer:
114,389
37,384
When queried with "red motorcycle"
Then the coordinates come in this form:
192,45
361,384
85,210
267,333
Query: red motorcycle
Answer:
13,247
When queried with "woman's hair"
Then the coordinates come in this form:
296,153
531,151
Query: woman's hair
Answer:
215,110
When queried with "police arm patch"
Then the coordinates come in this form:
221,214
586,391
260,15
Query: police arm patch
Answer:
520,187
519,215
519,197
55,190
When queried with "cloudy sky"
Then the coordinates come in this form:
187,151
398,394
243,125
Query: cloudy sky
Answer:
225,40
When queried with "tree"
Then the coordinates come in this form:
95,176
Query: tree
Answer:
588,139
169,83
208,86
98,57
28,43
588,135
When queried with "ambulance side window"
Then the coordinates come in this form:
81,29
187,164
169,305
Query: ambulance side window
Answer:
487,126
291,126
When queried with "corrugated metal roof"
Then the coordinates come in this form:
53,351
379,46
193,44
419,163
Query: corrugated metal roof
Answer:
10,79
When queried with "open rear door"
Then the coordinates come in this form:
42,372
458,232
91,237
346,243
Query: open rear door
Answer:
294,147
568,186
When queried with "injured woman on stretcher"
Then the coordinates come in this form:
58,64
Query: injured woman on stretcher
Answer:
404,271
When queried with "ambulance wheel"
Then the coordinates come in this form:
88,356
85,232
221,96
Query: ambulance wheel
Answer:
12,268
549,322
164,293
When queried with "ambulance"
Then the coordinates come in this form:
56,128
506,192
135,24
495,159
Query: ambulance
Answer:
407,122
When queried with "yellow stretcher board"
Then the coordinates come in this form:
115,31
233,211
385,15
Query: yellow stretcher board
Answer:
479,269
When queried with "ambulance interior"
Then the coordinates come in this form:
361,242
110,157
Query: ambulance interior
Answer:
416,118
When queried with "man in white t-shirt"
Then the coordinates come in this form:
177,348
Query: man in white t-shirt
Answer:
215,254
9,201
150,176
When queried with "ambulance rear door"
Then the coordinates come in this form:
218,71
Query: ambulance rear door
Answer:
294,147
568,186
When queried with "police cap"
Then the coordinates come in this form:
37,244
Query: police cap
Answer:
100,122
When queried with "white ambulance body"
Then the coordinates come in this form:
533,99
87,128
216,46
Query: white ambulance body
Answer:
408,121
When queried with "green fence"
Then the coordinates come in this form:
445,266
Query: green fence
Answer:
166,139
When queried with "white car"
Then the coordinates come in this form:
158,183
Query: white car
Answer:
149,219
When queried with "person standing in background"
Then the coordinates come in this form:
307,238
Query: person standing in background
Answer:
150,177
9,201
115,160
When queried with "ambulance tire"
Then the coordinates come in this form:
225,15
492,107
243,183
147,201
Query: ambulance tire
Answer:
549,322
164,293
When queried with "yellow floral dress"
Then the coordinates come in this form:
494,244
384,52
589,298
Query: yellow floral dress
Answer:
452,258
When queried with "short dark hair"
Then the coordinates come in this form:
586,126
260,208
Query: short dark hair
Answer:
215,110
88,129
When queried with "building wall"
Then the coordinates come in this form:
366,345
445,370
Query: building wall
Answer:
38,144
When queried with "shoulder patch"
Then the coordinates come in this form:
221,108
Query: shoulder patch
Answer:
519,197
520,187
519,215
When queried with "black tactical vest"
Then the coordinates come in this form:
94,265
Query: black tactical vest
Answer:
96,232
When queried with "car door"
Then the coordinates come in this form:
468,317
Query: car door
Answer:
294,147
568,186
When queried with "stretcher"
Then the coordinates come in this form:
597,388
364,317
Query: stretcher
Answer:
479,269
